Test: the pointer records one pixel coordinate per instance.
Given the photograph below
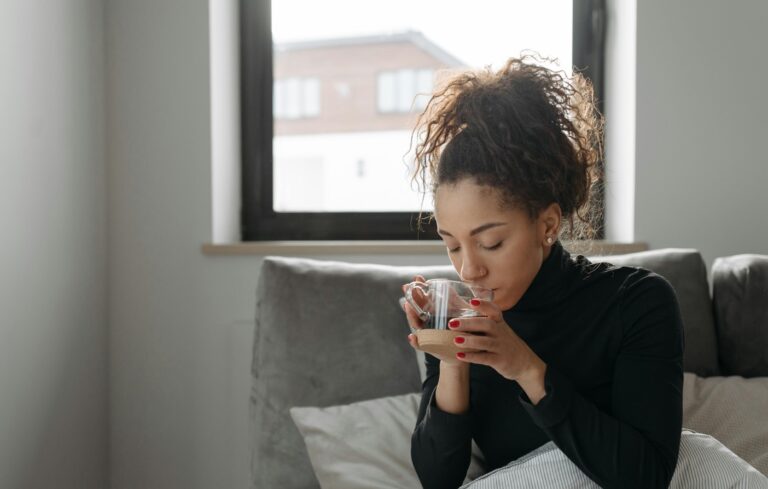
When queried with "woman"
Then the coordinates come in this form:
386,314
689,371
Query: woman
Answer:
584,354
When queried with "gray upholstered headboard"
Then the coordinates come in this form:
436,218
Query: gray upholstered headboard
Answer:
330,333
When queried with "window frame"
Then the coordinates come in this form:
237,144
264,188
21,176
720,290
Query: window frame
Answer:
260,222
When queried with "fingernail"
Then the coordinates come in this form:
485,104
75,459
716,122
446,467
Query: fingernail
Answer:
460,354
474,302
453,323
459,339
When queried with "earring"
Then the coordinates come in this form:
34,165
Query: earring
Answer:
549,240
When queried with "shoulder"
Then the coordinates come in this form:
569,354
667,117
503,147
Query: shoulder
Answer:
632,284
625,282
639,292
650,313
644,288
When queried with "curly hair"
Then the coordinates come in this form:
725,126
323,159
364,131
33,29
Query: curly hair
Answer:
530,132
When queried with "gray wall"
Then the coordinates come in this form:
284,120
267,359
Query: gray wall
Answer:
702,121
53,302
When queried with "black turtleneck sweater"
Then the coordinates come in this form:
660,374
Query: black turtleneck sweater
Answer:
612,339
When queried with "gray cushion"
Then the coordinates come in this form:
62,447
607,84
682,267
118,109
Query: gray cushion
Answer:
686,272
327,333
740,293
732,409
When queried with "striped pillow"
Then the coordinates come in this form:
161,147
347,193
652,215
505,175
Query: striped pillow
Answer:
703,463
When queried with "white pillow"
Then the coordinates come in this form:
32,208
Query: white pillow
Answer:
546,467
703,463
732,409
366,444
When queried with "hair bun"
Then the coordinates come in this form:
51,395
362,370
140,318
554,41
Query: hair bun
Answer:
529,131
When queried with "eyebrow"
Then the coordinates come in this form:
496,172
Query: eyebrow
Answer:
475,231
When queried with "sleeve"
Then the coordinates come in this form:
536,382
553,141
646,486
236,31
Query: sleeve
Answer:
637,444
441,442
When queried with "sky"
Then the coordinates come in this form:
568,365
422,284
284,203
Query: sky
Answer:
480,32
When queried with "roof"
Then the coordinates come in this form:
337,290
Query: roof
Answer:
414,37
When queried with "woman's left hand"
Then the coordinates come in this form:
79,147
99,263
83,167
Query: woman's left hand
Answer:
499,346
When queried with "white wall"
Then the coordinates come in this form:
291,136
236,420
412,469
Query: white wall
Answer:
181,322
702,120
620,99
53,276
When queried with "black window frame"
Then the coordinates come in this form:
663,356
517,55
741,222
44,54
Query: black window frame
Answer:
259,220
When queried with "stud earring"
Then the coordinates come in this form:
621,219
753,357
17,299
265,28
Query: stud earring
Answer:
549,240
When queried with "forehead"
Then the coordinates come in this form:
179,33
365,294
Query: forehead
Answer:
465,205
467,193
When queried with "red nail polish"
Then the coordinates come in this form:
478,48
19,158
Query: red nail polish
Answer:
474,302
453,323
460,354
459,339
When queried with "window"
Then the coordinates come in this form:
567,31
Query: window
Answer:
295,98
328,108
405,90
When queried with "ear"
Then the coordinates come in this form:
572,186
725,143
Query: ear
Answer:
549,221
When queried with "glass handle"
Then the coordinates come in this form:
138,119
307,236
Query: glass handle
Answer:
423,315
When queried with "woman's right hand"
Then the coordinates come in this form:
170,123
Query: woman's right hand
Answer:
416,324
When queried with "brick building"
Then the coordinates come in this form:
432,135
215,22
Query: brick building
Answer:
354,84
343,111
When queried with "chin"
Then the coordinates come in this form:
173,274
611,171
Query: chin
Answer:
503,300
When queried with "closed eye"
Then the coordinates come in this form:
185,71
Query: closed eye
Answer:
489,248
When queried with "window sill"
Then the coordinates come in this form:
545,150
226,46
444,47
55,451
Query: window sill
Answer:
593,248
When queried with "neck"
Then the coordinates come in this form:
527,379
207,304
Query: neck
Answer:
547,252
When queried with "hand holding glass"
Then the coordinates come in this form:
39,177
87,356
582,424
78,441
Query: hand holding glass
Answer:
437,301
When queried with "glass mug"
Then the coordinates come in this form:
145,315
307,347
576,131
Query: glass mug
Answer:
439,300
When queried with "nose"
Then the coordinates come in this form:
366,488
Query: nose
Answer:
472,270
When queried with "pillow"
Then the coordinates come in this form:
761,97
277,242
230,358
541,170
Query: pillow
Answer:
733,410
739,288
365,444
546,466
703,462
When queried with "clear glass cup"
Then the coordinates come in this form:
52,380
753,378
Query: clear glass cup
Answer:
437,301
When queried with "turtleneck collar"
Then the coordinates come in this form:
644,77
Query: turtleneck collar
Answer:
550,283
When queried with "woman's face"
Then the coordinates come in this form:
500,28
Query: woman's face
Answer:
489,245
